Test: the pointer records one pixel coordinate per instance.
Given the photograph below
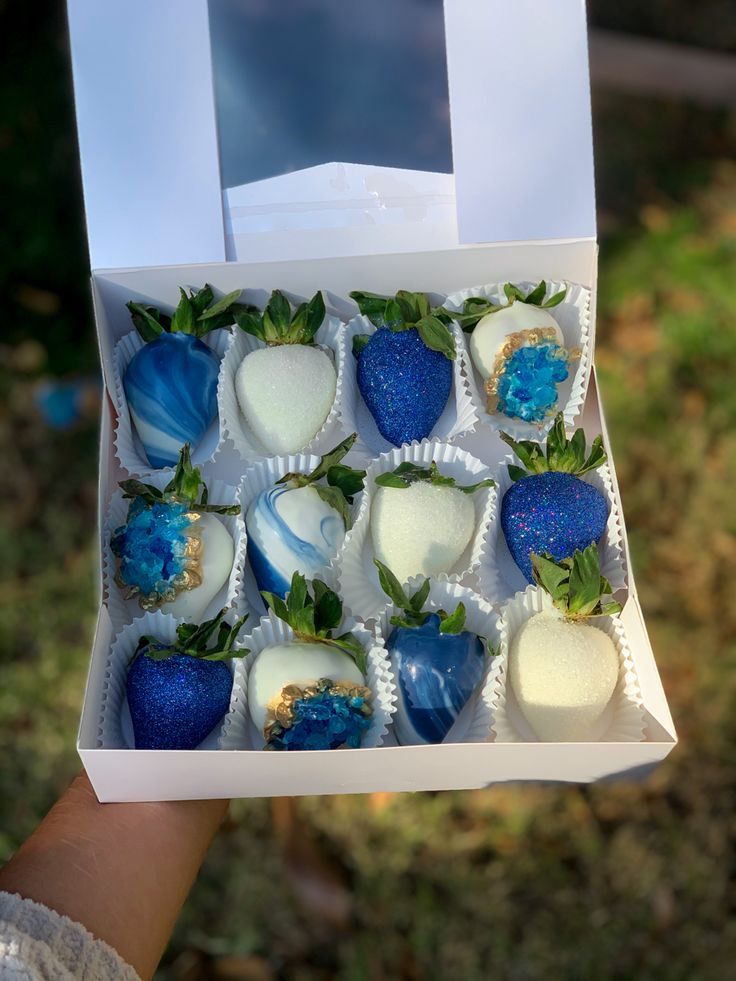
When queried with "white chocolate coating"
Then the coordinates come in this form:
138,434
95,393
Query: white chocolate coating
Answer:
216,562
285,394
563,675
296,663
491,332
422,529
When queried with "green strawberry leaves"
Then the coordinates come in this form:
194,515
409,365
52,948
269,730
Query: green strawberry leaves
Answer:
197,313
407,474
192,640
314,617
186,486
562,455
406,311
477,307
343,482
575,585
278,324
412,612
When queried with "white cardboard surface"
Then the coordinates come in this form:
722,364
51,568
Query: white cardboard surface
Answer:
521,123
147,138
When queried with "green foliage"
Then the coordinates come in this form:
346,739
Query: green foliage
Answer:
477,307
406,311
412,609
563,455
197,313
278,324
408,473
185,486
343,482
194,640
575,584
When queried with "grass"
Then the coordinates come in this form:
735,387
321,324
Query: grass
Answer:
612,882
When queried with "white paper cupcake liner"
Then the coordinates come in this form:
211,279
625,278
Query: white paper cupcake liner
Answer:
623,719
115,729
128,447
263,474
357,575
234,426
240,733
231,595
573,316
474,721
459,416
500,576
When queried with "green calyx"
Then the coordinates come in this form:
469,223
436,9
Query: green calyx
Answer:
194,640
197,313
477,307
412,614
185,487
576,585
279,324
314,617
343,483
563,455
406,311
407,474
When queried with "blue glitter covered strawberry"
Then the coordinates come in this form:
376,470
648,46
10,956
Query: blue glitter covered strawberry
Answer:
171,382
310,693
405,368
549,509
519,351
437,664
177,693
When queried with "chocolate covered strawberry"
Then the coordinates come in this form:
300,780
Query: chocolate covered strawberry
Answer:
549,508
405,368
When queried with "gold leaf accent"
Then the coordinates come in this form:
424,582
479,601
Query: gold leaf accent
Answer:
280,710
532,337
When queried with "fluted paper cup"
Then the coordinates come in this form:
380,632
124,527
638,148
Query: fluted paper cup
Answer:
239,732
115,730
128,447
573,317
234,425
260,476
623,718
501,577
357,575
458,417
230,596
474,721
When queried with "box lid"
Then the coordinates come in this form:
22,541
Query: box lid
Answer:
144,78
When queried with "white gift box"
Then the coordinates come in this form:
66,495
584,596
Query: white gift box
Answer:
519,207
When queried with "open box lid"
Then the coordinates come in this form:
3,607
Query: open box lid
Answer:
144,78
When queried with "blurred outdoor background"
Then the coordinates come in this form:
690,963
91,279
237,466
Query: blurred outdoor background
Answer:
609,882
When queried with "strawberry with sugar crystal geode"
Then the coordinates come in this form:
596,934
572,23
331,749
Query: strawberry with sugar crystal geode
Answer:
287,388
549,508
171,382
177,693
437,664
422,520
310,693
563,671
519,351
173,552
405,368
299,524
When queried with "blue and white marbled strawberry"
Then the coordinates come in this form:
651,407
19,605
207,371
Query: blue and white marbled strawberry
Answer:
171,382
177,693
299,524
404,369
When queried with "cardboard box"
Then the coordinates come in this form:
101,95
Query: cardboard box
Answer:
520,207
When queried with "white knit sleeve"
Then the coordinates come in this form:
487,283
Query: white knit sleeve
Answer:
38,944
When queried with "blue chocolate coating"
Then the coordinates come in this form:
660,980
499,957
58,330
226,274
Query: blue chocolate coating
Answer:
176,703
551,512
404,384
437,673
171,384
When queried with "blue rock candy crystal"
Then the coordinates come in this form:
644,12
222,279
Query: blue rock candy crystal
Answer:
323,721
527,389
151,545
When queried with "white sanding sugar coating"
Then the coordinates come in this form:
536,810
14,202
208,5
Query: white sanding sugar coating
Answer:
295,664
216,563
563,675
286,393
422,529
491,332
